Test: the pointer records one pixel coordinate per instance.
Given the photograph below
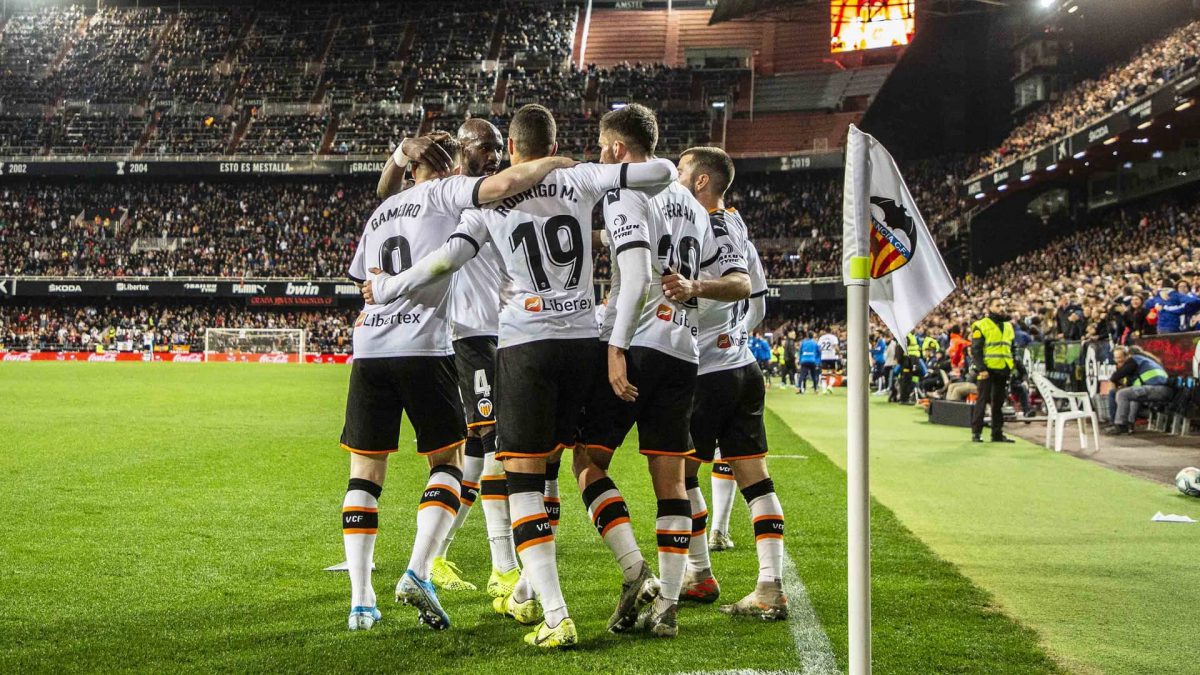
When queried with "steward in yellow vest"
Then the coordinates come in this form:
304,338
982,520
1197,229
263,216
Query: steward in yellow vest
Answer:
992,353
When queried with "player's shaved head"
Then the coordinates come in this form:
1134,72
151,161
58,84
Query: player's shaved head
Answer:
635,125
707,161
481,147
533,132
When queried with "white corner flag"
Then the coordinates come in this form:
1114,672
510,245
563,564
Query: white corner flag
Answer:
889,261
883,225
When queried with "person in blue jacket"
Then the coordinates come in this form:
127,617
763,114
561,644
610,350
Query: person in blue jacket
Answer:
1174,306
810,364
878,358
760,349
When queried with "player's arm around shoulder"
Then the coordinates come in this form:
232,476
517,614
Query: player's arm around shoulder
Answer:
518,178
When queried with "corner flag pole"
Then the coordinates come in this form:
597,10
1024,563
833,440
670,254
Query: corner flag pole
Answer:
858,495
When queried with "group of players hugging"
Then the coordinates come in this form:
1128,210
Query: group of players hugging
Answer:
479,298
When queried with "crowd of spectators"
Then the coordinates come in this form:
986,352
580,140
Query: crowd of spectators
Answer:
29,43
74,326
643,82
1090,100
178,69
545,34
228,229
283,135
1134,271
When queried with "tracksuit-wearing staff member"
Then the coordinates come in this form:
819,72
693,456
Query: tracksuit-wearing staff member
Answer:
992,352
1139,378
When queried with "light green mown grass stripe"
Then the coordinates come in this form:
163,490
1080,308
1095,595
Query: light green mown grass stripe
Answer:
177,517
1064,545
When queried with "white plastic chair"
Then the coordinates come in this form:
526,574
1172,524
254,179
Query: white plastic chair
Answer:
1079,409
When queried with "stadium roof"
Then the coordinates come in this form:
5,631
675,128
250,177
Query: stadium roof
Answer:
778,10
789,10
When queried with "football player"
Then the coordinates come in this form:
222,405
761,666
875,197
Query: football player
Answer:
730,392
402,364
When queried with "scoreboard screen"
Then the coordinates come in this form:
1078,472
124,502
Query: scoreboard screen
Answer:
870,24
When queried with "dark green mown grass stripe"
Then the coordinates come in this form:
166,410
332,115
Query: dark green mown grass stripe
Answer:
165,517
927,617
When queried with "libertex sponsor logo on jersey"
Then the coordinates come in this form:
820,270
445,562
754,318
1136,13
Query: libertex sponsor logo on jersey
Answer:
679,318
536,303
381,320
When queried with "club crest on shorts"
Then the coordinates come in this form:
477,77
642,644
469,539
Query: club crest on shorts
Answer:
533,303
723,341
665,312
893,237
484,406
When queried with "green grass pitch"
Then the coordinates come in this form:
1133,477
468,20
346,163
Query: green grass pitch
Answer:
176,517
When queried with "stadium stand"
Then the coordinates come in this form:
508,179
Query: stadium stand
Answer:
168,66
167,229
1084,284
1153,66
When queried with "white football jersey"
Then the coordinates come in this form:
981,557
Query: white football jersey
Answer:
724,339
544,243
475,291
674,226
829,346
405,228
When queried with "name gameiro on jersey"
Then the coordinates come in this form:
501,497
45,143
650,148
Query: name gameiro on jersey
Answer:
673,225
403,229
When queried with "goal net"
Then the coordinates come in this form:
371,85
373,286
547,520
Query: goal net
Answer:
257,345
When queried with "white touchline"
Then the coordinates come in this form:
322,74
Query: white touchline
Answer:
816,654
812,644
787,456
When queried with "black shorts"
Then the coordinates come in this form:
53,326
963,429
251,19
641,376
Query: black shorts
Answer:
540,389
475,359
829,364
662,410
382,389
728,412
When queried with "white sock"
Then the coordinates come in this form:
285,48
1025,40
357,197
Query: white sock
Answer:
698,548
494,494
360,522
523,590
435,515
550,494
723,488
674,530
610,515
534,539
767,516
472,469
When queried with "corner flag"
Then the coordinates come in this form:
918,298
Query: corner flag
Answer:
891,263
883,225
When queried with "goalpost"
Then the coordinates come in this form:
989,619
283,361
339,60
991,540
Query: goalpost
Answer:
261,345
